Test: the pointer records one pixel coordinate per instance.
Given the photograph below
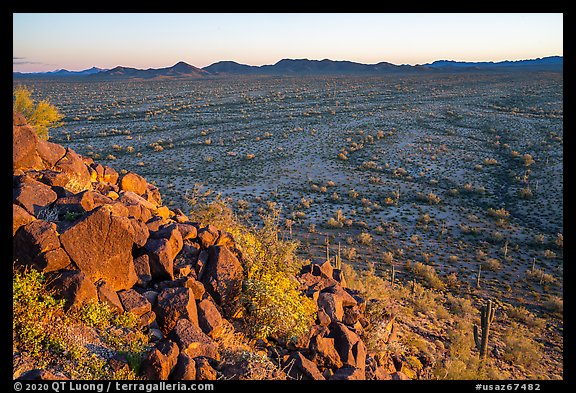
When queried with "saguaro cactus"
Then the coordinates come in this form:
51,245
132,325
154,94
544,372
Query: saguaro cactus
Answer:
486,319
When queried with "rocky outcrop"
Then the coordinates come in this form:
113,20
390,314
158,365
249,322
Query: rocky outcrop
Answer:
101,235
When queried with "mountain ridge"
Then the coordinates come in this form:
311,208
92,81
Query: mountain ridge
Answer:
295,67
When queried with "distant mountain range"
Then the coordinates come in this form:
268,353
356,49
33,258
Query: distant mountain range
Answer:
297,67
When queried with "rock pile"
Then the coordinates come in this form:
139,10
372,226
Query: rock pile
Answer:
101,235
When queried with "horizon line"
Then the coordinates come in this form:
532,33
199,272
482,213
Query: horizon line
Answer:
288,58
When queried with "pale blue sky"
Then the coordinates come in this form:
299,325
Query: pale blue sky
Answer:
45,42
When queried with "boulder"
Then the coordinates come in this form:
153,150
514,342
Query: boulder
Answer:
174,304
302,368
33,195
172,234
350,347
130,198
141,232
345,298
201,264
100,244
49,152
310,282
223,278
322,268
155,223
204,370
325,353
109,296
135,303
54,178
331,305
73,165
161,258
209,318
142,267
188,231
225,239
351,315
348,374
323,319
74,287
36,244
192,341
24,144
81,202
163,212
20,217
147,319
161,361
133,182
208,236
185,369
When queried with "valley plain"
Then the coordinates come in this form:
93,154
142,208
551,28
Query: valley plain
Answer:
459,172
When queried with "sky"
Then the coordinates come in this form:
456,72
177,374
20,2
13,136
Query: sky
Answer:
50,41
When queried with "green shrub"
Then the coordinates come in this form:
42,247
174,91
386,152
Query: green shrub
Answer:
41,116
35,312
275,307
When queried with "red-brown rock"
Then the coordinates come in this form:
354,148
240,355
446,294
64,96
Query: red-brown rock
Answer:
74,287
209,318
188,231
74,166
322,268
185,369
24,143
133,182
33,195
348,373
100,244
325,353
192,341
174,304
20,217
81,202
302,368
350,347
160,362
141,232
142,267
208,236
161,258
223,278
49,152
331,305
109,296
135,303
204,370
37,244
